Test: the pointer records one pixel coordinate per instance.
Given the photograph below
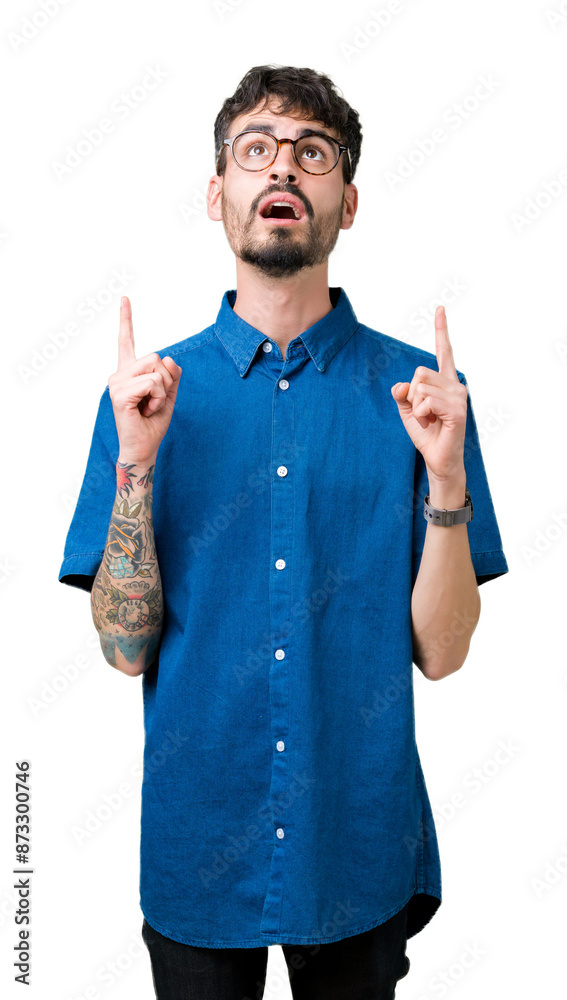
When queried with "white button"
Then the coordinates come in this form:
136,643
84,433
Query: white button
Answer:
280,563
279,832
279,654
280,745
283,383
282,471
266,346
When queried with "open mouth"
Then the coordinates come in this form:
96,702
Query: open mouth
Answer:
281,210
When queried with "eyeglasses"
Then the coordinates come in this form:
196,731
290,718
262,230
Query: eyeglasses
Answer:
254,150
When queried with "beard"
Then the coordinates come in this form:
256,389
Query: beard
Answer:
281,251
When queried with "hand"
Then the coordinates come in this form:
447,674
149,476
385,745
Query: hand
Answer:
143,393
433,407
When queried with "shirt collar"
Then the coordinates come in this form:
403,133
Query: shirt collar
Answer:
322,340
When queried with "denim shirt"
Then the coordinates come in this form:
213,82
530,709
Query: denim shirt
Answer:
283,798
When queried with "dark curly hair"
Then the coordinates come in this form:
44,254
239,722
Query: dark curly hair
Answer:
302,92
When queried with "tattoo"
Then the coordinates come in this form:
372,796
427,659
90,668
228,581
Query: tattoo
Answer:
127,597
147,478
134,612
96,604
127,552
130,646
138,585
124,478
151,548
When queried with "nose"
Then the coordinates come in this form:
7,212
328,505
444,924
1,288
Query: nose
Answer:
284,169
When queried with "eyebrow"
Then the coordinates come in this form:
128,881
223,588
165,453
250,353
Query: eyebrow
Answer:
263,127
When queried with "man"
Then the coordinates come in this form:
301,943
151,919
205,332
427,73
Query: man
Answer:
298,561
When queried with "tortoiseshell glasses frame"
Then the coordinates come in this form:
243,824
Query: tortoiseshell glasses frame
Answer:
293,142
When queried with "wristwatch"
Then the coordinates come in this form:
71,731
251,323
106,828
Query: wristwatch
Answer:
444,517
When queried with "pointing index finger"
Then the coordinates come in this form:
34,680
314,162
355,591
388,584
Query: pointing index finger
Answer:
126,352
443,349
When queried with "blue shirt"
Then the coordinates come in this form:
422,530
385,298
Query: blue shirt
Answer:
283,798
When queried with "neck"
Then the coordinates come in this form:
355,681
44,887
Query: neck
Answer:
282,308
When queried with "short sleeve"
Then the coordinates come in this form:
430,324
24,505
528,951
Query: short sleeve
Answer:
87,534
485,542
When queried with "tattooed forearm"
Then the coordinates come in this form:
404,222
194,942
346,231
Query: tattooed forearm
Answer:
126,597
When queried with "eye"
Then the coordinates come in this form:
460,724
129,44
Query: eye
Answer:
256,149
319,151
309,150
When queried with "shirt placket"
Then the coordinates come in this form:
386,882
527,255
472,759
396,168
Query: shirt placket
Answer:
281,665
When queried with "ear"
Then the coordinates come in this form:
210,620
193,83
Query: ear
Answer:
350,205
214,191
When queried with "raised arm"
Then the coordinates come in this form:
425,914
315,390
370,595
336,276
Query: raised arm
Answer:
126,597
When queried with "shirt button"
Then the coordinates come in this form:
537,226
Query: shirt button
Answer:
284,384
280,563
279,832
279,654
267,346
282,471
280,745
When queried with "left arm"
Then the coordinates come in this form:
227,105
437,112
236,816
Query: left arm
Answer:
445,602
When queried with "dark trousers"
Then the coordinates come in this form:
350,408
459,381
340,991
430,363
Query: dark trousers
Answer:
365,966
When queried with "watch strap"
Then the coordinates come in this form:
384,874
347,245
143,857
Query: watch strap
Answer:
447,517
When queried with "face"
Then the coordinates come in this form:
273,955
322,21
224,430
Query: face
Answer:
281,247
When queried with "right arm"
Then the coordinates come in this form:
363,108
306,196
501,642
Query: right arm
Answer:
126,597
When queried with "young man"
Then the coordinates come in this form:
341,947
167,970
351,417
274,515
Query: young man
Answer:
299,559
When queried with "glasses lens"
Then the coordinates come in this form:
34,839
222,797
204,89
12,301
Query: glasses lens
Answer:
256,150
316,155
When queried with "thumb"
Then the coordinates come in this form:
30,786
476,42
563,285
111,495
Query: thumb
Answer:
399,392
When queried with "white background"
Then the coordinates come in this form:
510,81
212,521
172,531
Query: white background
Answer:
462,216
